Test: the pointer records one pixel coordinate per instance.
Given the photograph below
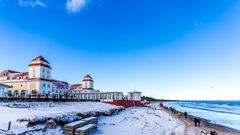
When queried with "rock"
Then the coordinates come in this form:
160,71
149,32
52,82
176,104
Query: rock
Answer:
51,124
64,119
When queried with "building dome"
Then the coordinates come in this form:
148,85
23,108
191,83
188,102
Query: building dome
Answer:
87,78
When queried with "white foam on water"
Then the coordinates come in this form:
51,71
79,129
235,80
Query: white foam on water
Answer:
222,112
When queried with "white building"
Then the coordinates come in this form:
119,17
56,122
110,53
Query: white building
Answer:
85,90
4,90
100,95
60,88
40,77
37,81
134,96
86,86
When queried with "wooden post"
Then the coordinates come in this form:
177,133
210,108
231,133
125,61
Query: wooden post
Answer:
9,125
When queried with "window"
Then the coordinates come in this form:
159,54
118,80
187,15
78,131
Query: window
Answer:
34,92
43,70
43,76
44,85
33,69
48,71
48,85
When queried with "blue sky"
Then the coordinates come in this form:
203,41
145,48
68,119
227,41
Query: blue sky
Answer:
167,49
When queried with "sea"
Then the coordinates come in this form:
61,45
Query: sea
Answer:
225,113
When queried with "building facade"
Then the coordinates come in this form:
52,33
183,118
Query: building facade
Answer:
134,96
4,90
86,86
37,81
85,90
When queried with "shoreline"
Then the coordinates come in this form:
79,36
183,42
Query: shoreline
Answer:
206,125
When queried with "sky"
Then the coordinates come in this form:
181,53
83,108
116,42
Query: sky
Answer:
168,49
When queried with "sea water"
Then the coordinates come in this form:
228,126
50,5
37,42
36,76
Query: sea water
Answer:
225,113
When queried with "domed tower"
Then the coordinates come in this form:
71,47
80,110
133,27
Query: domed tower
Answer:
87,83
40,76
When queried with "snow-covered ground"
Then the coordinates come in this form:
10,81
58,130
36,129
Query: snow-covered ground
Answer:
140,121
150,120
38,110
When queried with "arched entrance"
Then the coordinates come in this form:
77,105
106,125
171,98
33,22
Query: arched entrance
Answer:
34,92
23,93
16,94
10,93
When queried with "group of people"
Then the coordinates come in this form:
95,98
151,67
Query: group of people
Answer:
197,121
174,111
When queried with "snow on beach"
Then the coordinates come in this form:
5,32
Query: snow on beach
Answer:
150,120
38,110
132,121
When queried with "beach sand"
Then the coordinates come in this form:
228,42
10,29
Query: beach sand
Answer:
155,120
205,126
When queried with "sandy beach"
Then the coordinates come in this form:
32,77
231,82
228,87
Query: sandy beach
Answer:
150,120
205,126
155,120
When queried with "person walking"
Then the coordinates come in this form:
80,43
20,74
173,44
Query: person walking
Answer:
185,114
198,122
179,115
195,121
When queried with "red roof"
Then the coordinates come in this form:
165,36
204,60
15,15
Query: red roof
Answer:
10,71
14,74
6,72
87,78
40,58
77,85
22,74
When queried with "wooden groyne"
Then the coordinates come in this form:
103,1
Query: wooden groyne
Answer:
82,127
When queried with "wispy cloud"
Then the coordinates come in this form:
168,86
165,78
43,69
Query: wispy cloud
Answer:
31,3
74,6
